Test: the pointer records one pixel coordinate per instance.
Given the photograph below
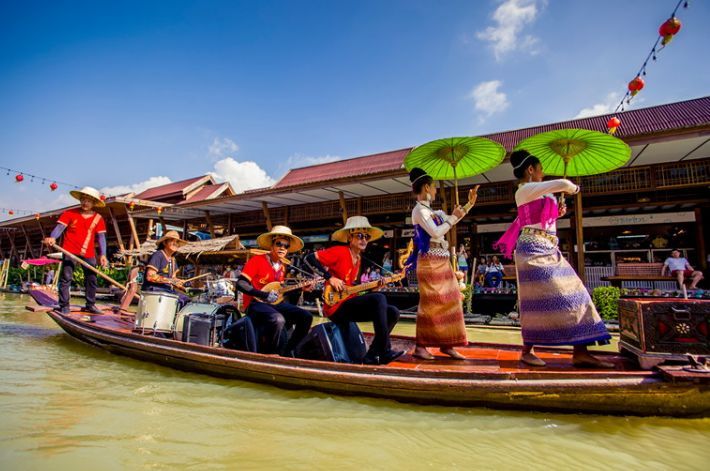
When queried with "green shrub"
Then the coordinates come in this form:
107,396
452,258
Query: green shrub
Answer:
606,299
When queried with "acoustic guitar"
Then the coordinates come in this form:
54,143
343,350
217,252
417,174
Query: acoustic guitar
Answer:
281,289
333,298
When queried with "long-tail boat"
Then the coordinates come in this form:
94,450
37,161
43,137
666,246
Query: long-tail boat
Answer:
491,376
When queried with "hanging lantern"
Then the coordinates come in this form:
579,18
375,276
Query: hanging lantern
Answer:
53,186
37,216
669,29
132,206
11,212
636,85
19,177
159,211
612,124
102,197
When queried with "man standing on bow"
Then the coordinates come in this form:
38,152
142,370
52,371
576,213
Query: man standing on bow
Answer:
80,228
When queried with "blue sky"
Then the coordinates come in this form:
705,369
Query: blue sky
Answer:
114,94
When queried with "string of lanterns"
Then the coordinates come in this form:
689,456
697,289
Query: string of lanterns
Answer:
666,32
20,177
19,212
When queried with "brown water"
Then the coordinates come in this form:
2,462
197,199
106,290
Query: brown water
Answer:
66,405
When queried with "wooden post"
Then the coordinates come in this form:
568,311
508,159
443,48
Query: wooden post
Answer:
184,230
700,239
343,208
359,206
28,244
579,231
267,216
41,231
13,247
210,225
150,229
116,229
229,225
134,232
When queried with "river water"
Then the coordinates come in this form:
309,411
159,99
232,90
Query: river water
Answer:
66,405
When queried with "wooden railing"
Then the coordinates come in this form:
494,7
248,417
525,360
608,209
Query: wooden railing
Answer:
682,174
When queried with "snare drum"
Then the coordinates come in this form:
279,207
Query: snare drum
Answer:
220,289
156,311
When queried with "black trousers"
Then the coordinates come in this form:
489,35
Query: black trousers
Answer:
270,320
65,280
370,307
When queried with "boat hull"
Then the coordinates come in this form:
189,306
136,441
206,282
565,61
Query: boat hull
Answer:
636,393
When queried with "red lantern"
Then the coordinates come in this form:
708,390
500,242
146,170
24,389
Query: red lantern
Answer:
53,186
37,216
132,206
636,85
11,212
159,211
19,177
612,124
102,197
669,29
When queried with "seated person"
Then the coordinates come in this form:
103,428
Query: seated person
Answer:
161,270
481,270
271,319
680,268
494,273
340,266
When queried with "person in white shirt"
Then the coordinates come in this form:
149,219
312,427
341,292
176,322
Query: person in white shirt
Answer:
680,268
440,320
555,306
494,273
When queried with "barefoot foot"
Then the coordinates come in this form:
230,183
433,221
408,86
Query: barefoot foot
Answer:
531,359
422,353
452,353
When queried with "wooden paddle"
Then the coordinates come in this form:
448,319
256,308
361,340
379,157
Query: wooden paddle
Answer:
89,267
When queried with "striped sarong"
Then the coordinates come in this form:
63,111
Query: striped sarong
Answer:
555,307
440,315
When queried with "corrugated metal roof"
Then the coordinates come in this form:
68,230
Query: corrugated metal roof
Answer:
655,119
169,189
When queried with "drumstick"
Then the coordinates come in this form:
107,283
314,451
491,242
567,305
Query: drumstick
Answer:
196,277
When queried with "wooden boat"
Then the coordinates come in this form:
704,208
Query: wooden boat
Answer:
491,375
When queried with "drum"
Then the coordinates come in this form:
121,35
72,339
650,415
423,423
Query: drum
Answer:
191,308
156,311
220,290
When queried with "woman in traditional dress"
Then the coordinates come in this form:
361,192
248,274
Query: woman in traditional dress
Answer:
440,314
555,307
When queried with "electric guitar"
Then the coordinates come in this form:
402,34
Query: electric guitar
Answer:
281,289
333,298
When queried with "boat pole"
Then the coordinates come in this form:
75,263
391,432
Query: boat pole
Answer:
89,267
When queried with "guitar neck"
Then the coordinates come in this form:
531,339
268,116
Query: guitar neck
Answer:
298,285
374,284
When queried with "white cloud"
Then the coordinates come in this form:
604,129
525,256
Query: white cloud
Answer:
242,175
222,147
487,99
510,18
135,187
300,160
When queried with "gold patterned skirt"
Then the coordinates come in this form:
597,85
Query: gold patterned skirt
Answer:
440,315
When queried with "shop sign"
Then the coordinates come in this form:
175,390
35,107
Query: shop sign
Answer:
249,242
407,232
316,238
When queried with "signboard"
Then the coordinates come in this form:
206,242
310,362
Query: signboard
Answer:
407,232
249,242
389,234
608,221
316,238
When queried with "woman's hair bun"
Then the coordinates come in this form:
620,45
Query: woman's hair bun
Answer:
416,173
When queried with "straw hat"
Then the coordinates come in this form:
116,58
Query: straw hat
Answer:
91,193
266,240
171,235
357,224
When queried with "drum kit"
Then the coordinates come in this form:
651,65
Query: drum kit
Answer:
158,312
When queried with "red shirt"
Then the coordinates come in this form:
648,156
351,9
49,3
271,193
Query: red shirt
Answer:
339,262
81,232
260,272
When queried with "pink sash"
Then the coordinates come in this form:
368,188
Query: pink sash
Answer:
542,211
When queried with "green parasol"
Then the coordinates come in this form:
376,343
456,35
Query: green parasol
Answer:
577,152
452,158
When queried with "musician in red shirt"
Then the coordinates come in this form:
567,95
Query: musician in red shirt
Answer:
340,266
81,227
271,319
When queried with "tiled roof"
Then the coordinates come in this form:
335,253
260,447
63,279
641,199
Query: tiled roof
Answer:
360,166
655,119
167,190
